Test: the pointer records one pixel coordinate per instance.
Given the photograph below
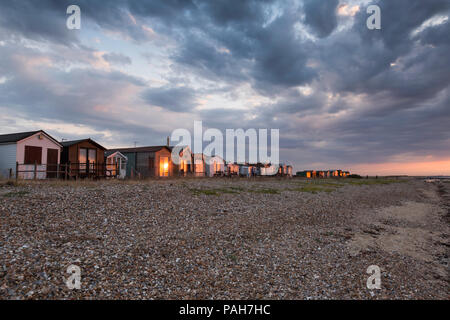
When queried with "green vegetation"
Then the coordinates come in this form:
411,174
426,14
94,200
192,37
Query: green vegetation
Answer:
15,194
329,185
214,191
364,182
233,257
231,190
204,191
237,188
267,191
313,189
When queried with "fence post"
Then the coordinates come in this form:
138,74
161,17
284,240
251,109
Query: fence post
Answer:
35,170
87,168
10,173
17,170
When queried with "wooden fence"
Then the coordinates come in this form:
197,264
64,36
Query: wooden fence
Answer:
90,170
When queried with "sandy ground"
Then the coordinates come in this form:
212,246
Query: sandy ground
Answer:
225,239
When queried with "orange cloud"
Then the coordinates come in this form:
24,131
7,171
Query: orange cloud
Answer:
346,10
421,168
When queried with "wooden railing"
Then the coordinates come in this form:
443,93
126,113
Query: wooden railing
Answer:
66,171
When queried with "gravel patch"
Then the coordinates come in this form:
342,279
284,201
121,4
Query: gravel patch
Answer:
223,238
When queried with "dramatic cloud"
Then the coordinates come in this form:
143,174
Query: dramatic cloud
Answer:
341,94
321,16
175,99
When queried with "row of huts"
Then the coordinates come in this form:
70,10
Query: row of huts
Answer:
37,155
313,174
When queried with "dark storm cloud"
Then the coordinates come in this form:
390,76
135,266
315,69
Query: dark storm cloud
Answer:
400,17
321,16
362,54
374,93
281,61
180,99
436,35
41,21
209,62
203,28
391,62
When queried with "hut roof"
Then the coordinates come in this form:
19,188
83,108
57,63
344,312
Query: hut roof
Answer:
72,142
141,149
15,137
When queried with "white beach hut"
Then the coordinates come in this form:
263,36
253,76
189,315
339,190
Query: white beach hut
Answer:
36,152
214,166
116,164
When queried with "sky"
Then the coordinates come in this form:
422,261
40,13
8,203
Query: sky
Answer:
342,96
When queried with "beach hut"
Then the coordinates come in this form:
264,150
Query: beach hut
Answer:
86,158
285,170
199,166
301,174
182,160
214,166
232,169
116,164
289,171
270,170
244,171
37,154
335,173
147,162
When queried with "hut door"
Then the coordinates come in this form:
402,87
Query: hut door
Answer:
164,167
52,162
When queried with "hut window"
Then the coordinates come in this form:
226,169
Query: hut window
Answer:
82,158
92,155
83,155
33,155
87,154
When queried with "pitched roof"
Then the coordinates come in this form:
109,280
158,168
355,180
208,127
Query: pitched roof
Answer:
141,149
15,137
112,152
72,142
